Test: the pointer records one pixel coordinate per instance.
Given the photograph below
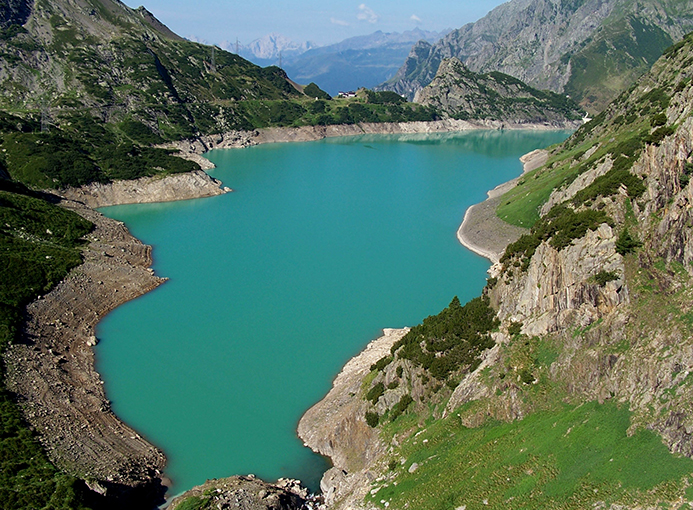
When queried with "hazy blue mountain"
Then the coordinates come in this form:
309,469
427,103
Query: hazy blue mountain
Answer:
362,61
268,50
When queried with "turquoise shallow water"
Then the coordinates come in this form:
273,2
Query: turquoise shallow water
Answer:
275,286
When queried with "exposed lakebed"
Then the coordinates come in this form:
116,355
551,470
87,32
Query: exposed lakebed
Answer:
274,287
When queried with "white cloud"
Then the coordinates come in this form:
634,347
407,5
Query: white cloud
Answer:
415,18
367,14
339,22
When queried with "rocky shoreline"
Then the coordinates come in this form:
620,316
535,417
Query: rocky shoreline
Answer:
194,149
52,370
336,426
169,188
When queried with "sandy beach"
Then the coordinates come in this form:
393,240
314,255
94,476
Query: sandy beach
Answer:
482,231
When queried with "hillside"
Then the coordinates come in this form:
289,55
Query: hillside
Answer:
567,384
92,89
462,94
122,66
590,49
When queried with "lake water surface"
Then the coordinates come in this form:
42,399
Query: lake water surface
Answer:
275,286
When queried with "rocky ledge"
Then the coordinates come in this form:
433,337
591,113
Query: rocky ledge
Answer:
336,426
196,184
57,386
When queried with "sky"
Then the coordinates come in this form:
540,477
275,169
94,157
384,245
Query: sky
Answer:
319,21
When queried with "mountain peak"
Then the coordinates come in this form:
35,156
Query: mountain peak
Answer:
591,49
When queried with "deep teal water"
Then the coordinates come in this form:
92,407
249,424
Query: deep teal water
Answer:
275,286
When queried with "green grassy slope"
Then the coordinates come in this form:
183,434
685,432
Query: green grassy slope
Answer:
571,457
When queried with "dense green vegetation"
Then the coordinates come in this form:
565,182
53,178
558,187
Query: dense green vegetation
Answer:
320,112
442,349
312,90
39,244
451,340
85,151
569,457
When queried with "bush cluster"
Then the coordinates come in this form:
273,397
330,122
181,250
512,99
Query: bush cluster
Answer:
626,243
84,152
604,277
559,227
451,340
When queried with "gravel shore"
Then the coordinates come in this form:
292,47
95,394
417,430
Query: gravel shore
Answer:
482,231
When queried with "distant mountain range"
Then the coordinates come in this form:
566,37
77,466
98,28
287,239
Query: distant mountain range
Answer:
363,61
267,50
589,49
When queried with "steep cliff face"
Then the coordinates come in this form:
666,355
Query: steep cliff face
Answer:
591,49
460,93
594,304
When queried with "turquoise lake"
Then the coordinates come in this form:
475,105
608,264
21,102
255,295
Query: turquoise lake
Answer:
275,286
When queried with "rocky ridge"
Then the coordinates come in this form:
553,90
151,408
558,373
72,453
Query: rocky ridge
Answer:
460,93
591,50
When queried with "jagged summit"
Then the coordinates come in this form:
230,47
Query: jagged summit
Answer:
590,49
463,94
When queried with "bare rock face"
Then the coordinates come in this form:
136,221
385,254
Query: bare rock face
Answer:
185,186
244,493
559,288
336,426
669,212
554,44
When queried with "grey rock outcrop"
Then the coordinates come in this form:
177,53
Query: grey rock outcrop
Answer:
460,93
244,493
168,188
554,44
336,426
